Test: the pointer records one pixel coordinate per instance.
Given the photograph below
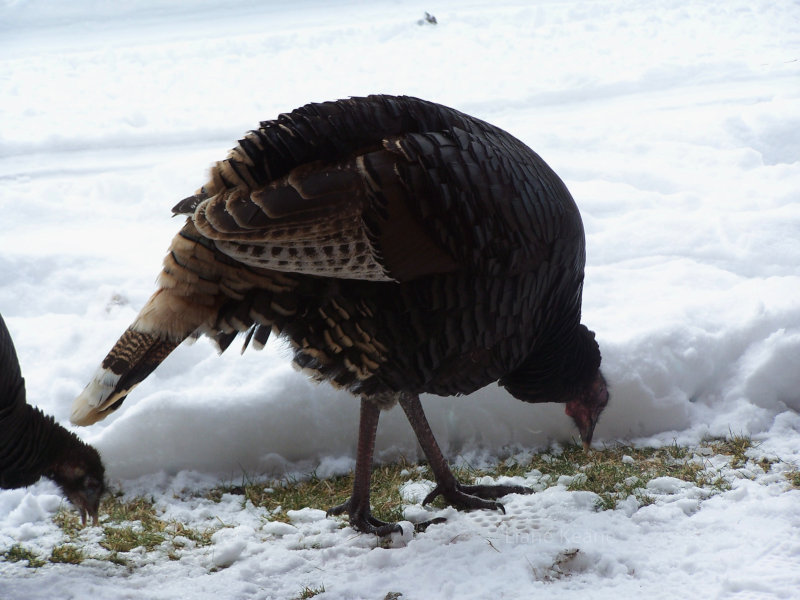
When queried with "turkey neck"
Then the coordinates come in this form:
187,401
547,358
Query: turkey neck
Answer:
557,369
20,458
28,445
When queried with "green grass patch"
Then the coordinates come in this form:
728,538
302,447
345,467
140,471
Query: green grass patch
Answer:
131,524
613,473
69,521
127,524
294,494
735,446
125,539
309,592
18,553
67,553
135,523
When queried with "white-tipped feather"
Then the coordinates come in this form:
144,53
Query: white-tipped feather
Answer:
89,407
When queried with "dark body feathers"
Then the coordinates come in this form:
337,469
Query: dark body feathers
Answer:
33,445
479,246
401,246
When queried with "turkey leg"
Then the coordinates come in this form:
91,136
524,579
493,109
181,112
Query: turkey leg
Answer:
468,497
357,506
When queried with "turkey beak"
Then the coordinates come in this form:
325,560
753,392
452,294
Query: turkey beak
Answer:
87,506
584,420
92,504
586,409
87,501
92,512
587,431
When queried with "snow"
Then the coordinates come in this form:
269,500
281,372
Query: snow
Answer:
675,124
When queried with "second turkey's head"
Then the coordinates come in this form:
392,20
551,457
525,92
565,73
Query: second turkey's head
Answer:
79,472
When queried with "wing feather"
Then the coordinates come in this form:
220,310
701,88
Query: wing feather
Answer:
380,189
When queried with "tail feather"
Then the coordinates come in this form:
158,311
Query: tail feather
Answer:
186,302
133,357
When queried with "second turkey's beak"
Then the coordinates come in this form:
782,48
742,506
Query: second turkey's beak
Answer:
586,430
87,500
92,508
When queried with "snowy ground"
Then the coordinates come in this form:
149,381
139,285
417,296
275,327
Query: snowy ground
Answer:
676,125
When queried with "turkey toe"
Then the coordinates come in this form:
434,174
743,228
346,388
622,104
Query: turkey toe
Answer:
361,519
474,497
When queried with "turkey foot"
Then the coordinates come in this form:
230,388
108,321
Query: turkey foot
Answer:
362,520
472,497
469,497
357,507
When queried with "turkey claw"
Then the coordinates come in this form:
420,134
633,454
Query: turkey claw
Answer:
362,520
422,526
473,497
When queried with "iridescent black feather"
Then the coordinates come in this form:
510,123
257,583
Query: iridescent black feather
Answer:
33,445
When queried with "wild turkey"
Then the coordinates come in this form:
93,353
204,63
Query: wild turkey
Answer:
401,247
33,445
